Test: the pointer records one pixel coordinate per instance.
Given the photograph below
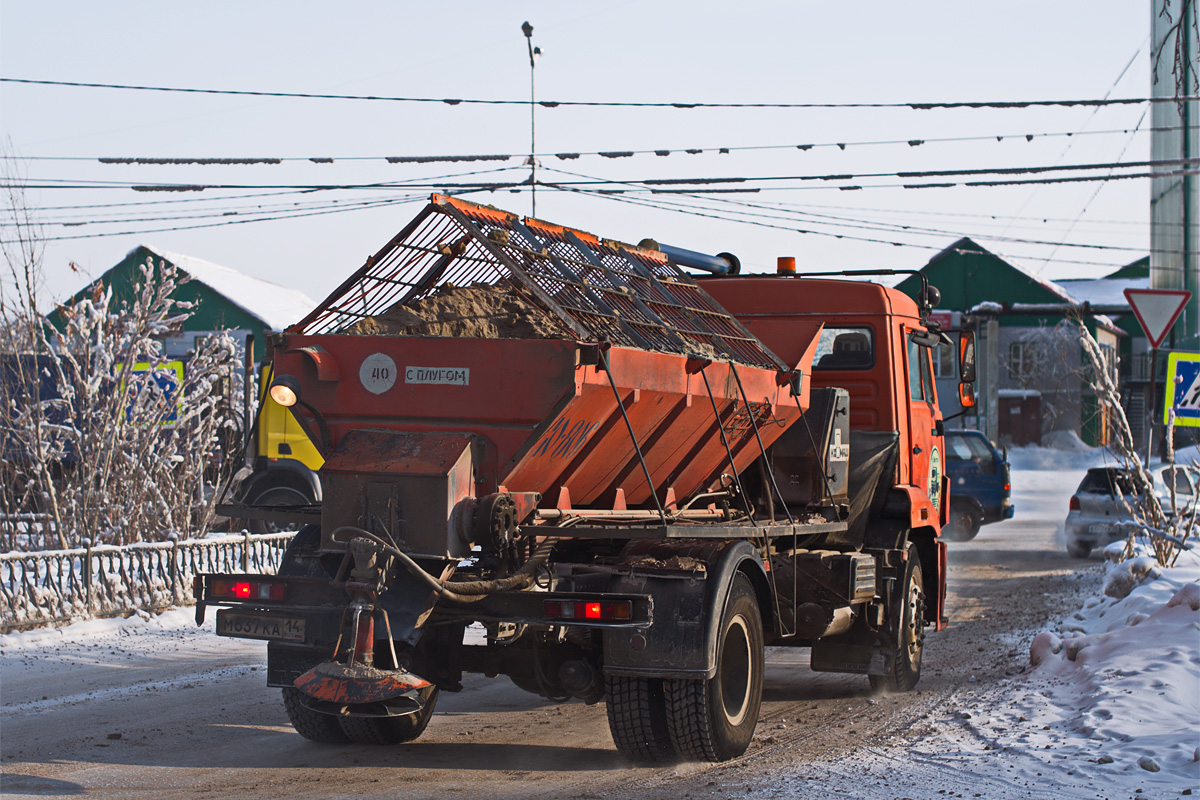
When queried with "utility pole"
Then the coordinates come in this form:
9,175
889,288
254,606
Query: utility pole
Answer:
534,52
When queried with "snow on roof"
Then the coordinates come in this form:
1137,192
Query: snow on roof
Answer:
986,307
1103,291
277,306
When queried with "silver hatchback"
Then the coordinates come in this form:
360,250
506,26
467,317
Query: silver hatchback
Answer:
1101,505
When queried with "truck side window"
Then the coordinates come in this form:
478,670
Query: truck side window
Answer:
945,362
845,348
920,379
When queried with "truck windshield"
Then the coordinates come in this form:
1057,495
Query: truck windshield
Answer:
845,348
965,448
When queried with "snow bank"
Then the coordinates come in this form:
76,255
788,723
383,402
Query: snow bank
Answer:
1064,450
1119,681
97,630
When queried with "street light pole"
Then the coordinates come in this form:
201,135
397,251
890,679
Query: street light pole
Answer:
534,52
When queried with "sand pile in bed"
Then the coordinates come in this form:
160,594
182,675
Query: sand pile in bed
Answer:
478,311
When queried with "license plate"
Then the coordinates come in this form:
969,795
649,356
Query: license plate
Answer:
260,626
1098,527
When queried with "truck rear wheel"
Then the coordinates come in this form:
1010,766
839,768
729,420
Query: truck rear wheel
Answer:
907,631
714,719
390,730
276,496
637,718
963,525
312,725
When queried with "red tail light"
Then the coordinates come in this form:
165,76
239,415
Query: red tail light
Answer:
617,611
1074,503
248,590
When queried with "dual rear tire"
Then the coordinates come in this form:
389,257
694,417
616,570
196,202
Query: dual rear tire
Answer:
664,720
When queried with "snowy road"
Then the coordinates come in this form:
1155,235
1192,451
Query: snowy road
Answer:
149,709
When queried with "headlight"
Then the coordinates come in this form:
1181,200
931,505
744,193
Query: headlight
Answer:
285,390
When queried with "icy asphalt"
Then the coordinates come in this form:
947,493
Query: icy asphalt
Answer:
155,707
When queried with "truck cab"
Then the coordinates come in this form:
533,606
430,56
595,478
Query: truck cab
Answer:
980,486
873,343
282,489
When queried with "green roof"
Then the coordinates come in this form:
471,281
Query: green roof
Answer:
1136,269
967,274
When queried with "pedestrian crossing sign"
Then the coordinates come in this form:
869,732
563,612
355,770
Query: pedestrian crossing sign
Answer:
1183,389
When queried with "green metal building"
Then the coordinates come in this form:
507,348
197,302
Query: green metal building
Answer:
1031,362
224,299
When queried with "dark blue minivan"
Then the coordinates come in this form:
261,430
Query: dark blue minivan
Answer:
980,489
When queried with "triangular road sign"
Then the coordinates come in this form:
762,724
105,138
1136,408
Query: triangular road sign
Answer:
1157,310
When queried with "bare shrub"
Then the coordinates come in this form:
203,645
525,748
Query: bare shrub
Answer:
101,438
1167,530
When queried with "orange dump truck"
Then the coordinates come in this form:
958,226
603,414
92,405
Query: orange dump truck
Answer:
625,481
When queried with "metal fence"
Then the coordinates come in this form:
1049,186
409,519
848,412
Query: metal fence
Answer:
57,586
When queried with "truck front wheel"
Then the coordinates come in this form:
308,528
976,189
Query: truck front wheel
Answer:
714,719
964,523
906,631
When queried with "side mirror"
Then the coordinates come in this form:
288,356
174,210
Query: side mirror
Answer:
966,395
966,358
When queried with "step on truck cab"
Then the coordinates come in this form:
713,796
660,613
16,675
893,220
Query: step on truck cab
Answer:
628,481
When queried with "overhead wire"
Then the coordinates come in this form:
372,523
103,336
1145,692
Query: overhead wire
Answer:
290,191
755,210
852,222
123,218
236,221
1185,163
926,212
455,101
1116,82
652,203
565,156
1083,209
655,202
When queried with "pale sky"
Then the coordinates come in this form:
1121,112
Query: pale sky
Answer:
752,52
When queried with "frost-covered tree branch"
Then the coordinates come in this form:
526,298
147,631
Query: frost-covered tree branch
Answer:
1168,533
102,437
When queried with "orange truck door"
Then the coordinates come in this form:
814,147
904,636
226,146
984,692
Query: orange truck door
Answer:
925,454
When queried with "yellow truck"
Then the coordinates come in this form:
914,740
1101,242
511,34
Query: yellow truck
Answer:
282,489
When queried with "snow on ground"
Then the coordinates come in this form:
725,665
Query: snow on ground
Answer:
1110,706
147,627
1119,680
